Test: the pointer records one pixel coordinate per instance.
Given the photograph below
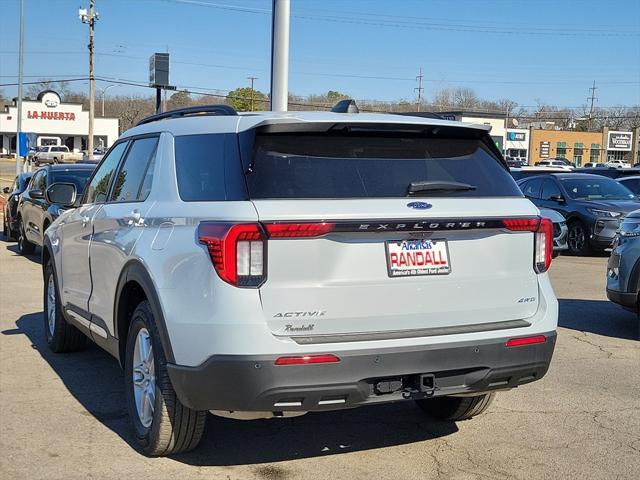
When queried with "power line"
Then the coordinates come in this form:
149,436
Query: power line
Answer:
203,92
458,27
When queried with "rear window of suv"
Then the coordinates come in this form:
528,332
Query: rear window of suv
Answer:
308,165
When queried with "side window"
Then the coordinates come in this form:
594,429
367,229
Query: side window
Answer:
200,167
532,188
132,173
550,189
35,181
99,186
42,181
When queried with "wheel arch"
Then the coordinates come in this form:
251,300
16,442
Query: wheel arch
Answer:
134,285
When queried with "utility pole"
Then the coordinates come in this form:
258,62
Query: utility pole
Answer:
90,19
20,78
280,55
592,98
419,89
252,79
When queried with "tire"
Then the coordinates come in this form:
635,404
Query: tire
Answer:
170,427
25,247
5,228
61,336
578,239
456,408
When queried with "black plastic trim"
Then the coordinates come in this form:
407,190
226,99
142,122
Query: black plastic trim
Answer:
135,271
627,300
255,383
184,112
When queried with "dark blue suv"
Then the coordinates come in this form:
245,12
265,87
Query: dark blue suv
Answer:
623,270
593,205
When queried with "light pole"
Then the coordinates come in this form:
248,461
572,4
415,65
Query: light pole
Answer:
90,19
280,55
104,92
20,76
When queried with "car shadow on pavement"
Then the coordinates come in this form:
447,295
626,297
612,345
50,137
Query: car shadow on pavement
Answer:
600,317
94,378
13,247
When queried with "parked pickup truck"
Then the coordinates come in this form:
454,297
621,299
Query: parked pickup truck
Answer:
55,154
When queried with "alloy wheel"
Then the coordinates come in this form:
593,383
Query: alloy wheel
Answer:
51,305
577,238
144,379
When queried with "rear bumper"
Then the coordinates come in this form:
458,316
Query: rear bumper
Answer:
255,383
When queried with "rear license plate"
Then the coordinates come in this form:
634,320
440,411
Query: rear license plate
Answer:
417,257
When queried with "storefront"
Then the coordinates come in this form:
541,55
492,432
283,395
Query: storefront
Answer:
496,121
516,145
581,147
48,121
619,145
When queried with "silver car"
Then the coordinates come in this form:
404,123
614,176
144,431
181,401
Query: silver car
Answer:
270,264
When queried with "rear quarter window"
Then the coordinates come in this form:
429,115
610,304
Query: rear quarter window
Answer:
200,167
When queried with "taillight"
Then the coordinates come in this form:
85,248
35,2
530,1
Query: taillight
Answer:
236,251
542,229
298,230
307,359
544,245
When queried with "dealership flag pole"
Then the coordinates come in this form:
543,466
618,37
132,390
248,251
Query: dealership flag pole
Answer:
20,78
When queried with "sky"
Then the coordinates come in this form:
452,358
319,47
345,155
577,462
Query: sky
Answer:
529,51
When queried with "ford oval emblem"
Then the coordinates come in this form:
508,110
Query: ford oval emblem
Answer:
419,205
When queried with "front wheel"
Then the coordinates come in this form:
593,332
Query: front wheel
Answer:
162,424
25,247
578,239
456,408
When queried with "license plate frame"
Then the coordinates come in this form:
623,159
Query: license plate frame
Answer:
394,246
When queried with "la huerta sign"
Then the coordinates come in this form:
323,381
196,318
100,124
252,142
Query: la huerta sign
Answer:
620,141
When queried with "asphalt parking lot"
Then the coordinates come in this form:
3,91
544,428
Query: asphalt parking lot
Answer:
64,417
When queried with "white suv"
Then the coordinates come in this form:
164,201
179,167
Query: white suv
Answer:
271,264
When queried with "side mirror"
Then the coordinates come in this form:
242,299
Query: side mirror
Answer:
37,194
557,198
63,194
6,189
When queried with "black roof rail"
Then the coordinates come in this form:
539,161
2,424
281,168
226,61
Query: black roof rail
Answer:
346,106
421,114
188,111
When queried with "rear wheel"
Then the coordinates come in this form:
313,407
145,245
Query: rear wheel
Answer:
578,239
61,336
162,425
456,408
25,247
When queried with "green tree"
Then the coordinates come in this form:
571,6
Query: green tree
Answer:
245,99
179,100
334,96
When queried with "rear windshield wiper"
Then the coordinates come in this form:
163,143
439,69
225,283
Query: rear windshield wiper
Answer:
438,186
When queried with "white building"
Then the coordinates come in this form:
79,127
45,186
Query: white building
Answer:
516,144
48,121
495,120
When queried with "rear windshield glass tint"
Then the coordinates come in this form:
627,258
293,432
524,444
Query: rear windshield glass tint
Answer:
353,166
